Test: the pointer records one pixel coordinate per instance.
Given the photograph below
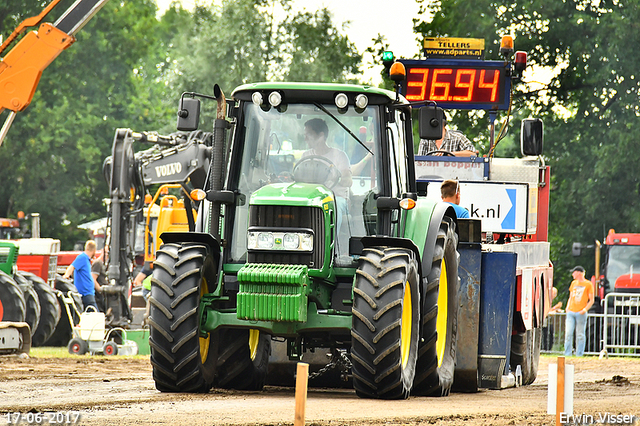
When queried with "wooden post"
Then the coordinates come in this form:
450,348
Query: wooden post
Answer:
302,377
560,390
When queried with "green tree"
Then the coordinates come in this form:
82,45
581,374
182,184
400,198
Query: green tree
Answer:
52,157
243,41
589,106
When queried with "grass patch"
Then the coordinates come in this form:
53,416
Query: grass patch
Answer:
62,352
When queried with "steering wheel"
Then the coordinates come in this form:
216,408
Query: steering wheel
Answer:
441,151
316,169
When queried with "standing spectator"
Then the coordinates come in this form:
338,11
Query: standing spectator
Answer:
99,273
548,329
450,192
144,279
581,298
82,278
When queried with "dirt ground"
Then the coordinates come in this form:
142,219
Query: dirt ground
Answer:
118,390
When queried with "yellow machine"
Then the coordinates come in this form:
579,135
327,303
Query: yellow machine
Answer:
22,66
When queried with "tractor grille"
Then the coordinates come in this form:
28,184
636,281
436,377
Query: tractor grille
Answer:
289,217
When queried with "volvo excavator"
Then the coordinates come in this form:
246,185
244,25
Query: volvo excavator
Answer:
177,161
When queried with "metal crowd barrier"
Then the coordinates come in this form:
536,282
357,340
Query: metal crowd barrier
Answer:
621,331
614,332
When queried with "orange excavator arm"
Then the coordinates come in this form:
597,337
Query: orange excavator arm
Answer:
22,66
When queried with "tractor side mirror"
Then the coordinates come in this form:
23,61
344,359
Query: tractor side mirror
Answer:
430,122
531,136
576,249
188,114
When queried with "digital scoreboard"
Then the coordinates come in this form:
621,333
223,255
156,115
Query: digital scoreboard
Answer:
458,84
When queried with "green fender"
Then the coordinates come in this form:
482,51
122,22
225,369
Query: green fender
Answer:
424,237
211,269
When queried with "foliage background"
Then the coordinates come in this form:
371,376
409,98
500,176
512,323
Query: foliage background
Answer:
129,66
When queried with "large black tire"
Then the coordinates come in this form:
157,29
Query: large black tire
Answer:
525,351
438,343
182,359
32,316
12,304
49,309
62,334
385,325
243,359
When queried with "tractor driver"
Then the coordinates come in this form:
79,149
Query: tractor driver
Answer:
316,132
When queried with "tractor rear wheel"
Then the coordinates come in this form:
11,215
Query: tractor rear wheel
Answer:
49,309
386,327
525,351
437,351
12,304
32,315
180,354
243,359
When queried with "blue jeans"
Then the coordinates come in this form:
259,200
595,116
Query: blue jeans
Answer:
90,300
578,323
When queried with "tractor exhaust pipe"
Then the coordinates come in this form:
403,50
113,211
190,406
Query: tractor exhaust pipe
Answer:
219,158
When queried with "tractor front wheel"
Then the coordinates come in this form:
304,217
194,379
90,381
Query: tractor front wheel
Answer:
182,357
12,304
49,309
386,328
32,315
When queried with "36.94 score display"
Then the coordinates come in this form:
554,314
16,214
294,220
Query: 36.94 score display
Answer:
462,86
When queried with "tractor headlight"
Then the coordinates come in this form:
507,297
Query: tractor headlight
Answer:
265,240
289,241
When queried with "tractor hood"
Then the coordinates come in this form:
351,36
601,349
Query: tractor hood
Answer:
293,194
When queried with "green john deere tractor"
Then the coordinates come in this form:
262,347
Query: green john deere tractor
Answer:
311,234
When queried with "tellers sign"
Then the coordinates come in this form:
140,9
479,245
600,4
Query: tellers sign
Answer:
458,84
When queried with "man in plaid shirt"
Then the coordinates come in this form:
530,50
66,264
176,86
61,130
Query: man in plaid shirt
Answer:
453,141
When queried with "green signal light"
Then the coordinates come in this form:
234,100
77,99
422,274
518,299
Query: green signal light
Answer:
387,56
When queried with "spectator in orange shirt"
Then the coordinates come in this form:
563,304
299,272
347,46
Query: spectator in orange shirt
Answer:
580,300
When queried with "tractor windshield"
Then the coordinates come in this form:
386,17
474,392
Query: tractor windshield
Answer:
313,144
622,260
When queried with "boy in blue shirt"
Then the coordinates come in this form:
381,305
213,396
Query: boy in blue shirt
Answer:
450,191
82,277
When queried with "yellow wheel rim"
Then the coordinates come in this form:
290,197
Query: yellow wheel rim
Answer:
254,339
204,341
441,321
405,328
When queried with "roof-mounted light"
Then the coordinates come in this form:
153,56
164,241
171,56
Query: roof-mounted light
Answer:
397,72
256,98
362,101
506,46
275,99
341,101
521,61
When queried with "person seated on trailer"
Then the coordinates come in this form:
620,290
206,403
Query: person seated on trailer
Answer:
452,142
450,192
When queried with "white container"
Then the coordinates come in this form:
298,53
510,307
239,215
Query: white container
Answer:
92,325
